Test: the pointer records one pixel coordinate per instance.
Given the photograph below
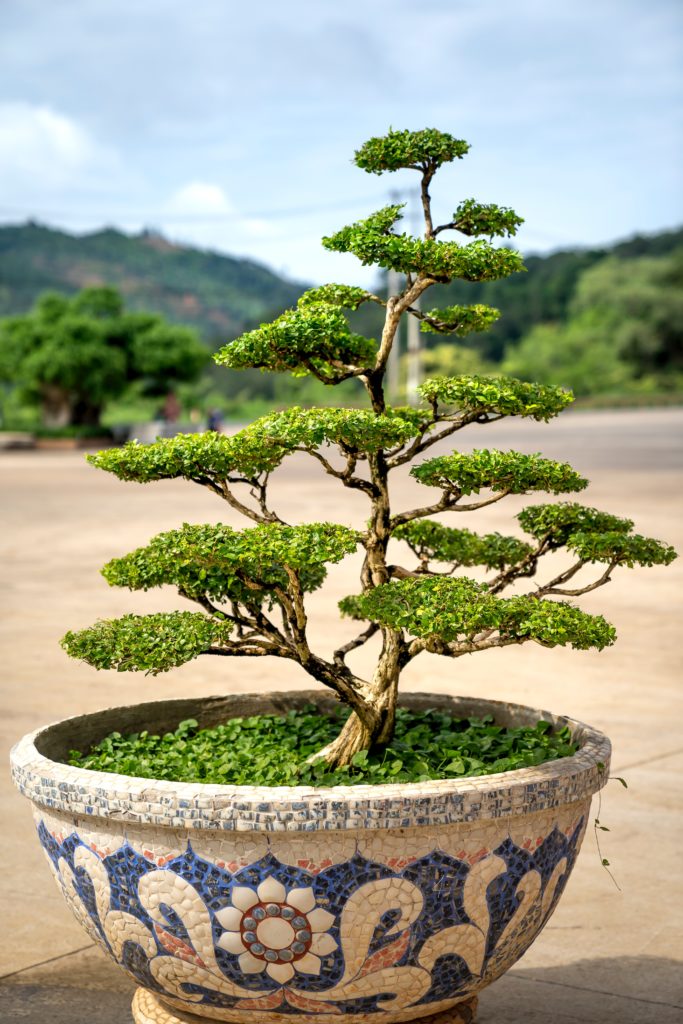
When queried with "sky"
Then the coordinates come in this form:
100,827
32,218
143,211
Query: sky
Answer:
232,126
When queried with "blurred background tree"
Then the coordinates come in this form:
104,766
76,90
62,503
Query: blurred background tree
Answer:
623,331
70,356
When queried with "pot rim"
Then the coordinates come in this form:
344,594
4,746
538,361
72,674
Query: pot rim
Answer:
53,784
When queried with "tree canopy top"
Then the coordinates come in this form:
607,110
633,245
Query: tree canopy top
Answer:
423,150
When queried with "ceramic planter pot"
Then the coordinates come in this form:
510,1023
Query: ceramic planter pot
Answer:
367,903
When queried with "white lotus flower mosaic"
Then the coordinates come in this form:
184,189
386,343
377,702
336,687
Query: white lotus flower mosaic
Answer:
270,929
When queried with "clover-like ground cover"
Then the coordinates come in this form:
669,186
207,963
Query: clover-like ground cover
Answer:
274,750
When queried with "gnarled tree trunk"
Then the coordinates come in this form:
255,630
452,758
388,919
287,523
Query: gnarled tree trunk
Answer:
376,729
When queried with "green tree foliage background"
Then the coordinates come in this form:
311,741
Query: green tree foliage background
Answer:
623,331
69,357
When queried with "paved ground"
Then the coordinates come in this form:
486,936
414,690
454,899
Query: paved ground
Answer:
606,956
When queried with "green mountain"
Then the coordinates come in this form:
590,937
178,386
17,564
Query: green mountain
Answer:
219,295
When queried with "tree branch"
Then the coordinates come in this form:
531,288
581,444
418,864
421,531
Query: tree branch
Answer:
527,567
253,619
553,588
221,488
345,475
456,649
258,491
445,227
447,503
362,638
243,650
428,171
424,440
346,372
396,306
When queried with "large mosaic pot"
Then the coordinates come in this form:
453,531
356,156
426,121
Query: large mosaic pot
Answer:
372,903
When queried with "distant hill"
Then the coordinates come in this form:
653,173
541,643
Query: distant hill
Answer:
219,295
222,296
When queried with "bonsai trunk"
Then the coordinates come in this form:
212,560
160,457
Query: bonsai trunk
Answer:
373,730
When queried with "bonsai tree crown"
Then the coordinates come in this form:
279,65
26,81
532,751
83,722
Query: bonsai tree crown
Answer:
251,585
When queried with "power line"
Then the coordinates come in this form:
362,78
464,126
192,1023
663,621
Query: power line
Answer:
169,217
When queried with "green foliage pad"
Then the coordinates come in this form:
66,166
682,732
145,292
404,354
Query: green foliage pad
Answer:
593,535
146,643
372,241
315,337
428,148
431,540
513,472
457,609
239,565
499,396
459,320
269,750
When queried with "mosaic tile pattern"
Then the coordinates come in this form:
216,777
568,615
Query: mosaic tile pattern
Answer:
370,936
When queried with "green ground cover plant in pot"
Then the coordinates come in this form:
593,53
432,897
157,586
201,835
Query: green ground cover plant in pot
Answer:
341,851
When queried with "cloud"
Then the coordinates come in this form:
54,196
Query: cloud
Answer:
199,197
43,145
210,126
53,168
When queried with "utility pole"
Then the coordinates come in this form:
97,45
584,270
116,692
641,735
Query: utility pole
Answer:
394,288
413,356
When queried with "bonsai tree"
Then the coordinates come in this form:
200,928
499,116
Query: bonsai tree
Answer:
253,585
71,356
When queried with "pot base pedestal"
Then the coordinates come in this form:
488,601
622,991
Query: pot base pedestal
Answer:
147,1009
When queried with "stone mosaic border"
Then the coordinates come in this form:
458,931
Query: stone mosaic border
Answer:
39,775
